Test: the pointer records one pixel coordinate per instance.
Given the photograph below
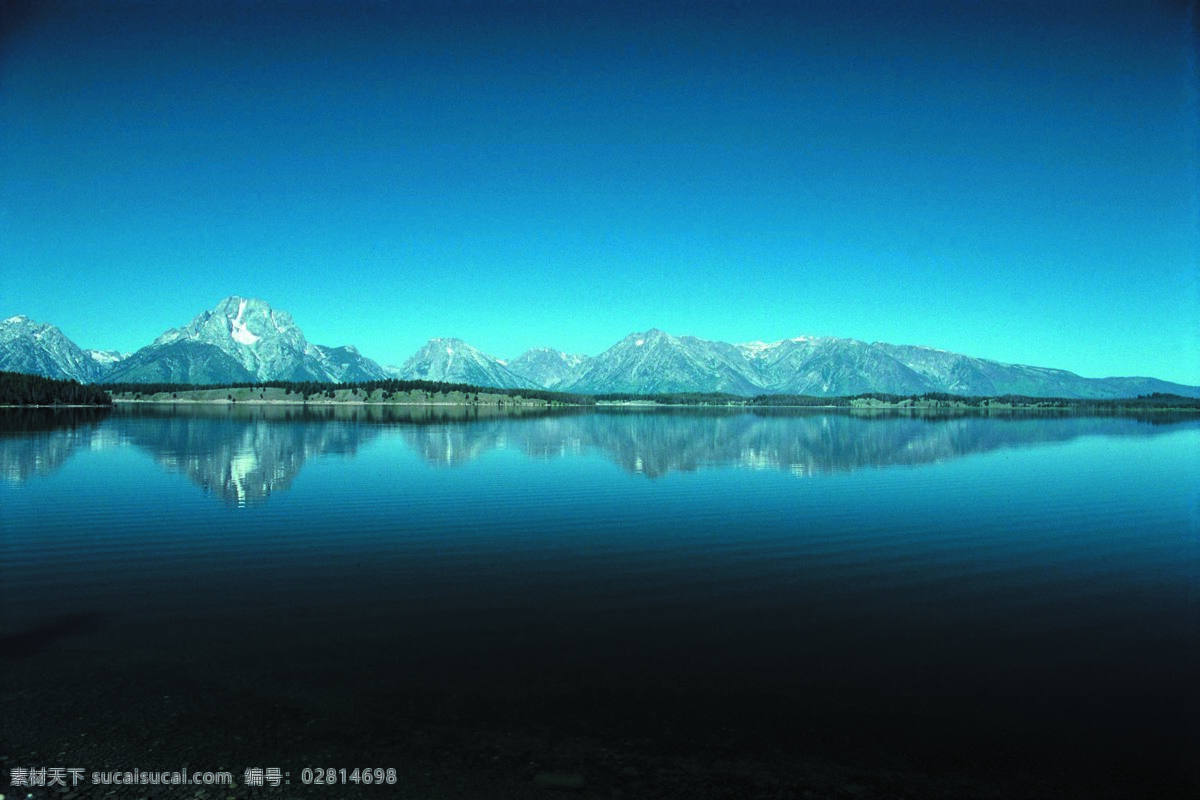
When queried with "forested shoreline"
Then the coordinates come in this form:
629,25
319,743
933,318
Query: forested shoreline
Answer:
19,389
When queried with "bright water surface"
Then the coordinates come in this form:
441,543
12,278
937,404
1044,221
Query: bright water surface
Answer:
666,603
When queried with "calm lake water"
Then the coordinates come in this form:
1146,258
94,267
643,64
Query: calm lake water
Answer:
655,603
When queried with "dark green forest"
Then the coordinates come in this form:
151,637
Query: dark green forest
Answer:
19,389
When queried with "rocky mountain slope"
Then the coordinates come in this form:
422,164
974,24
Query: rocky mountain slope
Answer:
242,340
655,361
548,368
38,348
455,361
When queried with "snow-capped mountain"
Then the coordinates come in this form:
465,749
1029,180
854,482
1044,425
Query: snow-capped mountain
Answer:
38,348
455,361
655,361
830,366
548,368
242,340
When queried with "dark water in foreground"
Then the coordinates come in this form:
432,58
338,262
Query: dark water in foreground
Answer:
660,604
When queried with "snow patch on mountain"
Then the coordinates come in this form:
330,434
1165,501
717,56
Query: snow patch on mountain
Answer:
238,330
106,358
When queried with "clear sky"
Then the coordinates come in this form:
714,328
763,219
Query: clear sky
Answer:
1009,180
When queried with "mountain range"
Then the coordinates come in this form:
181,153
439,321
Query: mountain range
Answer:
245,340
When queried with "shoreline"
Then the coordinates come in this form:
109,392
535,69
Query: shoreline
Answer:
1080,409
1090,406
204,402
506,402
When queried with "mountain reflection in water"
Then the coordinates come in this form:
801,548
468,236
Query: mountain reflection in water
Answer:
242,455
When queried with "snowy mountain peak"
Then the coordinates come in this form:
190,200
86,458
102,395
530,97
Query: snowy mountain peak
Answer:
755,348
653,336
39,348
765,350
243,339
107,358
450,360
237,323
547,367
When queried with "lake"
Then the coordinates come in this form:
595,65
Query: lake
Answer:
616,603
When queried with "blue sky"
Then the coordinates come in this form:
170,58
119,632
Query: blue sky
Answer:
1010,180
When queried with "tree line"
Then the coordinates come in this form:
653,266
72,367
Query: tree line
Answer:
1155,400
673,398
20,389
389,387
